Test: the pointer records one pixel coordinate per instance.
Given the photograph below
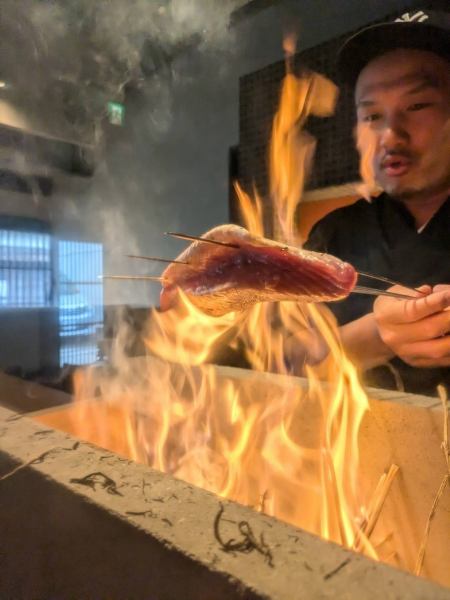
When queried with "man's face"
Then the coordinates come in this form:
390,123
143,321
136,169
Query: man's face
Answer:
403,110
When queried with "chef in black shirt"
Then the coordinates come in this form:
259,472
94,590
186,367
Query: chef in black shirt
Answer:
401,75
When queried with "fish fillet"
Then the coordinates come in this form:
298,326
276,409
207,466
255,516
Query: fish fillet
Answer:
220,279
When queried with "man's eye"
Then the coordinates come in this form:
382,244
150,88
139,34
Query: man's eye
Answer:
419,106
371,118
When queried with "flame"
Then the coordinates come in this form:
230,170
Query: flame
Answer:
366,143
291,146
176,412
289,45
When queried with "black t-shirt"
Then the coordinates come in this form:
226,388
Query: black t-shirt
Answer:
380,238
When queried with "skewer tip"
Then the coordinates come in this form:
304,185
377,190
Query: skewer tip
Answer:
194,238
134,277
158,259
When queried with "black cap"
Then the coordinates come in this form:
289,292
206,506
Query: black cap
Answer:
421,30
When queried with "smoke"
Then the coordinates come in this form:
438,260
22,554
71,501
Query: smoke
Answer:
64,60
69,58
100,47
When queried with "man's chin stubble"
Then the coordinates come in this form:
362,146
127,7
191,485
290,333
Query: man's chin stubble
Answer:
414,193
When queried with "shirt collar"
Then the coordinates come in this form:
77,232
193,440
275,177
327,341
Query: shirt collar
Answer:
401,212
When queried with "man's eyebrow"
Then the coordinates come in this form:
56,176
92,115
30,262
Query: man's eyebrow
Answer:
421,79
362,103
425,85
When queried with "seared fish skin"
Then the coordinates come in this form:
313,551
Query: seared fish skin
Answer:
221,279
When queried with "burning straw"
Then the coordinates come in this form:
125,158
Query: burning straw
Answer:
444,483
375,508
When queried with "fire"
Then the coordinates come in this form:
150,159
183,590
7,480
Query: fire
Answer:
367,146
291,146
172,410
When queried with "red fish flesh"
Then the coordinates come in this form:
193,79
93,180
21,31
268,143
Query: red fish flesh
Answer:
220,279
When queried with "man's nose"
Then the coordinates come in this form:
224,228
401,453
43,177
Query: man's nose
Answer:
394,131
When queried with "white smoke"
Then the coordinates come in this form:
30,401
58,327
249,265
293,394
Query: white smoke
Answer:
97,48
83,40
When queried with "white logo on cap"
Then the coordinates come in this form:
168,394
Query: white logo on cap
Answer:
409,18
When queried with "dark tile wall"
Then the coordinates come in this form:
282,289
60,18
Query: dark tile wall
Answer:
336,160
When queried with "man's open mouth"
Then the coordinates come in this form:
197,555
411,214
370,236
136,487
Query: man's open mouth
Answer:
396,166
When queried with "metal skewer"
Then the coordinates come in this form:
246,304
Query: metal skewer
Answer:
184,236
374,292
135,277
158,259
387,280
357,289
182,262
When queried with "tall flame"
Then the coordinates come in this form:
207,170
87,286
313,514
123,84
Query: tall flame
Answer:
170,410
292,148
367,146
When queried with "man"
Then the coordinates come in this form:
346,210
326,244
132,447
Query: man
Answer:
401,75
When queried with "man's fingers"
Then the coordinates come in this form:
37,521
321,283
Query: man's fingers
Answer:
430,353
441,288
426,329
424,289
407,311
426,306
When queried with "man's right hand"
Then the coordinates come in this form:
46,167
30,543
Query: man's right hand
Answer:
416,330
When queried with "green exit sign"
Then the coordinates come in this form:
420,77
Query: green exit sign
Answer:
116,113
